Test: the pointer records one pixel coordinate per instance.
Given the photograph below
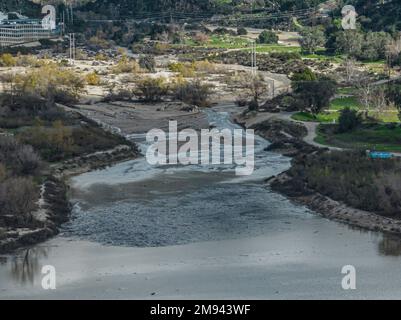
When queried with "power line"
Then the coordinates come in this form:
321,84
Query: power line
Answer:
213,18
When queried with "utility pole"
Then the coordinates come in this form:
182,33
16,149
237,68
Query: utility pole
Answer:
71,37
73,47
253,59
274,88
70,52
254,52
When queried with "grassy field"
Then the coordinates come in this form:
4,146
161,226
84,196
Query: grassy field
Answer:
346,102
346,90
227,42
376,67
341,103
380,137
321,117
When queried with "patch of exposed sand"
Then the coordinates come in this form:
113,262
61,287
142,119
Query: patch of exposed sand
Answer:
133,118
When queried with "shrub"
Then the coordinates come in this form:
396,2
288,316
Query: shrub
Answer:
92,79
152,89
204,66
304,75
351,177
267,37
18,197
285,56
242,31
201,38
26,161
119,94
19,158
222,31
28,61
253,105
54,143
185,69
7,60
98,43
50,82
194,93
100,57
288,102
148,62
126,65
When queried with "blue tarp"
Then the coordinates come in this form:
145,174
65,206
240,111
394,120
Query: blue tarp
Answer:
380,155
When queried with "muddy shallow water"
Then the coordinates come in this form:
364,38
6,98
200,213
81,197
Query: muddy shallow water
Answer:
200,232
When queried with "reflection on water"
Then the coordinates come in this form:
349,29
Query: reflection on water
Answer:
3,260
26,266
390,246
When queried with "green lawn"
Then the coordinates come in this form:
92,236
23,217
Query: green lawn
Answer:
227,42
347,102
337,105
321,117
346,90
378,137
267,48
321,55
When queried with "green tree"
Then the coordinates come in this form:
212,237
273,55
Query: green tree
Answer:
312,39
348,120
267,37
349,42
315,95
241,31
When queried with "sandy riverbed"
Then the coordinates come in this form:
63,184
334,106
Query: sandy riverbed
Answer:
133,118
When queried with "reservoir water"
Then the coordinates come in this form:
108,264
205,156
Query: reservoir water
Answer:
140,231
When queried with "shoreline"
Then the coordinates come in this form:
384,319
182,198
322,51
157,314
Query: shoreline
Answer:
335,210
54,207
291,146
58,207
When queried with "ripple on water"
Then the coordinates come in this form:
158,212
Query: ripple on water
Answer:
210,213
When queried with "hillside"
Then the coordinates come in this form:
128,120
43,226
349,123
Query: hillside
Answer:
374,14
133,7
24,6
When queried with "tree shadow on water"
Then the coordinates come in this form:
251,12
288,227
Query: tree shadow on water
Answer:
26,266
390,246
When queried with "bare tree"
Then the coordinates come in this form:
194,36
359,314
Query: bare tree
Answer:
350,69
365,92
18,196
379,100
255,86
393,51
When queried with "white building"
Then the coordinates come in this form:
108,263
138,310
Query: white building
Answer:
18,29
